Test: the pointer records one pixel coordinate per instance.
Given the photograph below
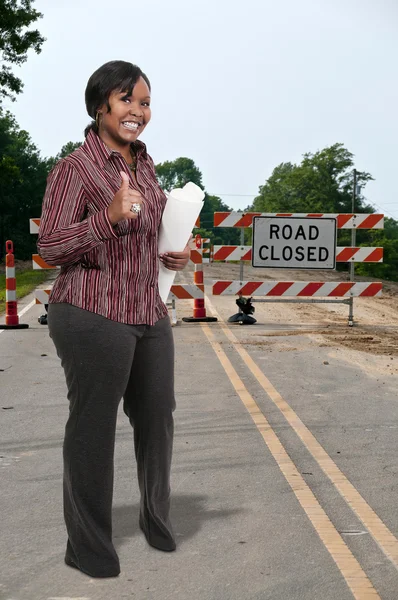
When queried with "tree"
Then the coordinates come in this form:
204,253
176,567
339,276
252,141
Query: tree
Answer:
176,173
15,41
65,151
23,176
222,235
322,182
387,238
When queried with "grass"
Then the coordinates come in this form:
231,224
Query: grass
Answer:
27,281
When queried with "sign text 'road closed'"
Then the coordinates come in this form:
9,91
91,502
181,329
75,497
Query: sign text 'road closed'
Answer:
294,242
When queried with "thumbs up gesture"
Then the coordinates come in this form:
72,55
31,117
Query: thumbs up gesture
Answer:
126,203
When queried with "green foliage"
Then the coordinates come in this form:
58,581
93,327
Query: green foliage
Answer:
204,233
322,182
388,269
219,235
22,183
387,238
23,177
65,151
177,173
15,40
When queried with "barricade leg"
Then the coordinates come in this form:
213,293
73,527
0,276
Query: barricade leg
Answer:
245,310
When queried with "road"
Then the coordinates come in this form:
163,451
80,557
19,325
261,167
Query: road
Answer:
284,472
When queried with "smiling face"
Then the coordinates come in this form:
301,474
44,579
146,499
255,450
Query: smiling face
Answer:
127,118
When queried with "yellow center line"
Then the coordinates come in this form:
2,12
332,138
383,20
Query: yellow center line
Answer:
386,541
356,579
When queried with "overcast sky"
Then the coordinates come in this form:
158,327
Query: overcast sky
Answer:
238,87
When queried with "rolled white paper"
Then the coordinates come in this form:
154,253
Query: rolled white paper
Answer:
179,217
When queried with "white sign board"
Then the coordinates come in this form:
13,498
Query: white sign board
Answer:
294,242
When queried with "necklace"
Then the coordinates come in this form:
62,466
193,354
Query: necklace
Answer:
133,164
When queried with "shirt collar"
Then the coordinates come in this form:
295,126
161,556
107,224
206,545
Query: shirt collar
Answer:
100,152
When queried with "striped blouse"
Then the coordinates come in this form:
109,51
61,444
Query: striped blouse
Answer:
111,271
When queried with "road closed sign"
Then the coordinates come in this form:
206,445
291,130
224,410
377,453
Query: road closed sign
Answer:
294,242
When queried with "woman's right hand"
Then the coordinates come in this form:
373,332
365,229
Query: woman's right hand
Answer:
120,207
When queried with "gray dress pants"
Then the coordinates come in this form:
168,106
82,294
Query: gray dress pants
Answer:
105,361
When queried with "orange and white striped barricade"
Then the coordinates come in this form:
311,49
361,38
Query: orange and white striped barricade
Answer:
352,254
12,318
187,291
34,225
42,295
183,291
344,220
297,289
38,263
343,254
195,257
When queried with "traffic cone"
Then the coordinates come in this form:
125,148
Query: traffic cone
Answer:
199,309
12,319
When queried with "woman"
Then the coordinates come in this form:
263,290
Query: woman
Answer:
101,214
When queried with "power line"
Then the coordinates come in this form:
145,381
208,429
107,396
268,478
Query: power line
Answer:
236,195
381,209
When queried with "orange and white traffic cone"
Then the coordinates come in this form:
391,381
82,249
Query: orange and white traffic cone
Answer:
12,318
199,309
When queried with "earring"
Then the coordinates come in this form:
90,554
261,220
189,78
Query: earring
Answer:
97,118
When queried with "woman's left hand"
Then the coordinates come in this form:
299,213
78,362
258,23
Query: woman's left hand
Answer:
175,261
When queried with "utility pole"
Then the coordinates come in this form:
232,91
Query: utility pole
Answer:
353,243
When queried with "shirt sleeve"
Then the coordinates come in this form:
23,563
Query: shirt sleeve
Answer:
65,233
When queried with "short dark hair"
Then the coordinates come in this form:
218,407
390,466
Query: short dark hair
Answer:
116,75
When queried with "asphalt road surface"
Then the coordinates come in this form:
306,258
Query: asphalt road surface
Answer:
284,473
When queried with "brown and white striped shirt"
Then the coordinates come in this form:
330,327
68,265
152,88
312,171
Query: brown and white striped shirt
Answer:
111,271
